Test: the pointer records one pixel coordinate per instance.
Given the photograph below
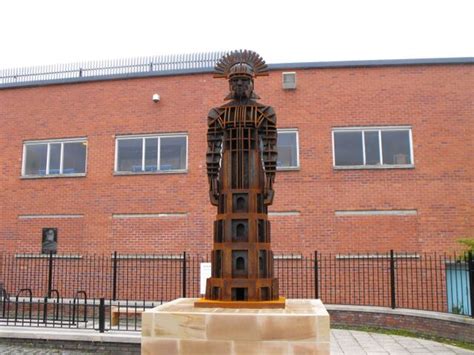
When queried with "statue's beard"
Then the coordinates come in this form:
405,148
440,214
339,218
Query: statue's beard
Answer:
245,93
242,93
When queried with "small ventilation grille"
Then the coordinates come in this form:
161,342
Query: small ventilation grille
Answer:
289,80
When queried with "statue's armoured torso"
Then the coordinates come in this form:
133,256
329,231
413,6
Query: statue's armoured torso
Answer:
245,135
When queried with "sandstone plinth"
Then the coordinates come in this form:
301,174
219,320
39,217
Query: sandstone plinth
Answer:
178,327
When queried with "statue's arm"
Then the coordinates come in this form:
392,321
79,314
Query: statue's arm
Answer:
268,134
213,155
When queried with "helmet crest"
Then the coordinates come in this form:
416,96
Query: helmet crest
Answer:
240,62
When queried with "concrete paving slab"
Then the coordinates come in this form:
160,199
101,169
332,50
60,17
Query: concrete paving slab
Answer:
343,342
357,342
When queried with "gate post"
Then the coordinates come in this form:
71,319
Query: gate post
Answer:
102,315
184,275
470,265
393,303
50,273
114,275
316,276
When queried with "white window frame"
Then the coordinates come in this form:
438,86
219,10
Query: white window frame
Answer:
49,142
373,129
291,130
143,137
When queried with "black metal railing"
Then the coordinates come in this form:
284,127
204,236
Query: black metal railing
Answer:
97,314
429,281
107,68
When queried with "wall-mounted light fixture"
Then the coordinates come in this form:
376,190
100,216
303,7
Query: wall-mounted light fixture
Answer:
156,98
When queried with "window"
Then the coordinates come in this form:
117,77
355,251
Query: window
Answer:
372,147
54,157
287,145
151,153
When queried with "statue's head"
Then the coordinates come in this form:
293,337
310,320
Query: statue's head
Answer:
240,68
241,86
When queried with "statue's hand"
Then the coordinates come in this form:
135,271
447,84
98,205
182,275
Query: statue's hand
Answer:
214,192
213,198
268,196
268,191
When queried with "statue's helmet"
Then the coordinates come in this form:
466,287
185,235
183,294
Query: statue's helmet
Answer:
241,69
240,63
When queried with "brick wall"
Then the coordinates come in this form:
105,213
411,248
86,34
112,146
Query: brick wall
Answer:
436,101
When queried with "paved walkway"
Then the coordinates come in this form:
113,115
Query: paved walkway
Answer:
342,342
355,342
16,349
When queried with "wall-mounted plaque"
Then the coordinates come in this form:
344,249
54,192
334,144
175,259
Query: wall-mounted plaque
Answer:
49,241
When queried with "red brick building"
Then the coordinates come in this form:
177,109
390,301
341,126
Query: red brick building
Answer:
374,156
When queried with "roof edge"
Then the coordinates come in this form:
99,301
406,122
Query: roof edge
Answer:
373,63
276,66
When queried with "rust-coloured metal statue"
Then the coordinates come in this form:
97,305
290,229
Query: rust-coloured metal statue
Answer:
241,164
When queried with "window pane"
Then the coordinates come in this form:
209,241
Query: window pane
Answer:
372,151
348,148
396,147
151,154
54,158
286,145
173,153
36,159
74,160
130,155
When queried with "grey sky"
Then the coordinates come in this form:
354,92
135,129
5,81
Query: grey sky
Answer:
50,31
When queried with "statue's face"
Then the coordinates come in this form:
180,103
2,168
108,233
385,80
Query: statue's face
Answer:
241,86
